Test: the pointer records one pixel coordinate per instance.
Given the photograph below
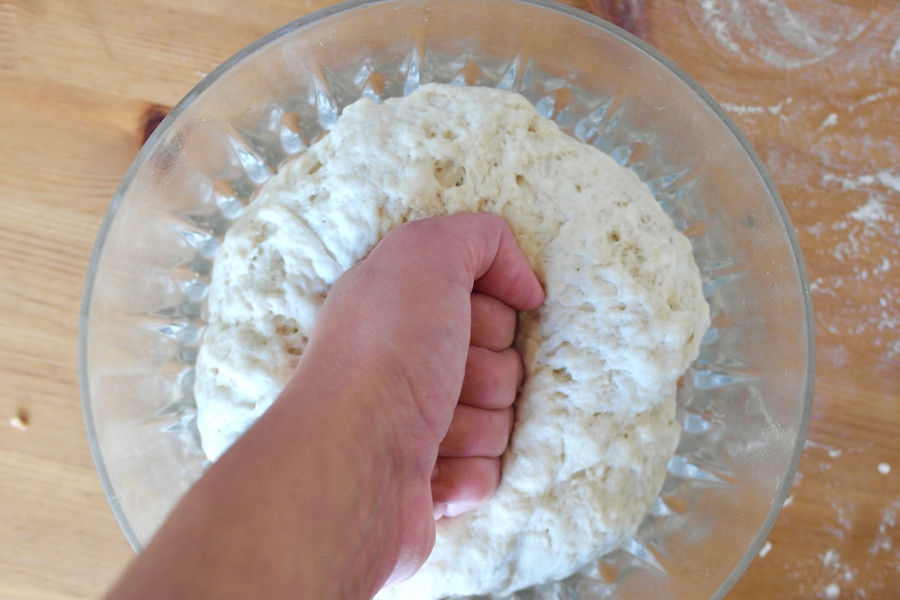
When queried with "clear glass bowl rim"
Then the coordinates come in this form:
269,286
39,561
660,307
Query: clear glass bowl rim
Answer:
150,145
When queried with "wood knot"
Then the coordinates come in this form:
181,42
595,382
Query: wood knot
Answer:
630,15
20,420
151,119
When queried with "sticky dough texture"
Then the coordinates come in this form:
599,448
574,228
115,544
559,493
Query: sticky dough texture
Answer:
623,318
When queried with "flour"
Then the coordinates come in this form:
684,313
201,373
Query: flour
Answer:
826,142
871,222
623,318
884,538
744,109
872,211
830,121
890,93
894,54
834,155
793,38
771,31
885,178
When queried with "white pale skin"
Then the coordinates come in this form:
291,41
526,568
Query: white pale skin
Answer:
623,317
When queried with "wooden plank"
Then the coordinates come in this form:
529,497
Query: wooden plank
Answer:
66,517
817,92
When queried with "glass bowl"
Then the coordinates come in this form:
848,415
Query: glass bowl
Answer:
744,405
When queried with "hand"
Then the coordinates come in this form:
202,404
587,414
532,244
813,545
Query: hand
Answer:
418,329
396,415
468,465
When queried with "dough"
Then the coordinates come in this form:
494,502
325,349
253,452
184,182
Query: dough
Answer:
623,318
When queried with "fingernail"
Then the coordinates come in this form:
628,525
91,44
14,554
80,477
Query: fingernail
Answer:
439,511
434,473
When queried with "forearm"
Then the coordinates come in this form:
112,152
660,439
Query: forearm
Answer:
256,527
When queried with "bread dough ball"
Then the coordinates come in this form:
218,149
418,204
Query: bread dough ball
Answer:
623,318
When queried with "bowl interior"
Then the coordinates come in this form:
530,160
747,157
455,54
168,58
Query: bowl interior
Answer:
744,404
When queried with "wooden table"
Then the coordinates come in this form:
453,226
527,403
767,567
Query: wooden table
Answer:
815,86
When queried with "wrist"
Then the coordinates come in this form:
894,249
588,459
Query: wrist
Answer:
378,470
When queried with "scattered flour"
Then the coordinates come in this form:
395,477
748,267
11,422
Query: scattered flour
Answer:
743,109
886,178
889,180
772,31
884,468
718,21
868,276
623,318
884,538
891,92
830,121
871,212
767,547
894,54
832,452
836,160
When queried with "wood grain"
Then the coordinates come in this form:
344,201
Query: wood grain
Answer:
816,89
